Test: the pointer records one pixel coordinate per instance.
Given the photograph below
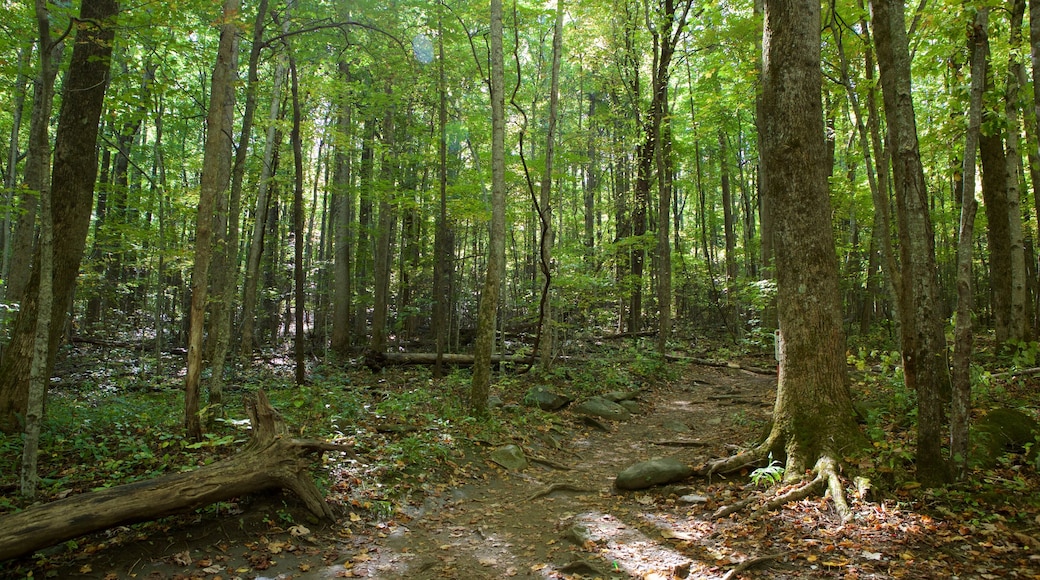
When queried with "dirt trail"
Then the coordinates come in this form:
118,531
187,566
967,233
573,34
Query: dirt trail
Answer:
551,523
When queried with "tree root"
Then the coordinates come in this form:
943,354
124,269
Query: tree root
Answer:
751,563
826,478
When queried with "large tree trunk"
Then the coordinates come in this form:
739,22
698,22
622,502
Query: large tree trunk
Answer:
484,346
270,460
813,416
73,175
923,342
216,175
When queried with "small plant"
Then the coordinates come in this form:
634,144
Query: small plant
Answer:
771,474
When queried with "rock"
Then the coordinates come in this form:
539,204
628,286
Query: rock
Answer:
600,407
631,406
494,402
999,430
650,473
618,396
510,457
676,426
544,399
693,498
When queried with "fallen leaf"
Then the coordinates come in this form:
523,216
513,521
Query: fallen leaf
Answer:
85,569
299,530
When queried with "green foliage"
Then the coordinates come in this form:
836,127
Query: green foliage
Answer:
771,474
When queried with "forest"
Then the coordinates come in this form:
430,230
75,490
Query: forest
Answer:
317,268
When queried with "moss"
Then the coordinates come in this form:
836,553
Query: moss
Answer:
1000,430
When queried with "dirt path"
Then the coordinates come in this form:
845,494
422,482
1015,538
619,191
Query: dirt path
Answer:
550,523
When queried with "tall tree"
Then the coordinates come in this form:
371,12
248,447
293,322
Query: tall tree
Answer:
923,342
73,174
216,176
960,409
813,417
484,347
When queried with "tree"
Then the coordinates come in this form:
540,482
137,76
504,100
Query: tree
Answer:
484,346
73,174
216,176
923,342
813,421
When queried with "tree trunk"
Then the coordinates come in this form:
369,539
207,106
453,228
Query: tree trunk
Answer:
270,460
1020,327
442,246
299,241
256,246
384,233
732,308
341,226
484,347
813,416
960,412
13,145
73,175
923,342
216,175
545,210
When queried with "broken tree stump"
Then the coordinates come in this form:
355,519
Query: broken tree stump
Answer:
269,460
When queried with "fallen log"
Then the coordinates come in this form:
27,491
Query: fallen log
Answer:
429,358
270,460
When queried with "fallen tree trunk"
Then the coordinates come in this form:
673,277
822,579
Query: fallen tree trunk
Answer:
270,460
429,358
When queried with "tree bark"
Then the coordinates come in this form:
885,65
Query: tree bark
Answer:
216,175
341,226
813,416
73,175
256,245
300,298
1020,327
484,347
923,342
960,409
270,460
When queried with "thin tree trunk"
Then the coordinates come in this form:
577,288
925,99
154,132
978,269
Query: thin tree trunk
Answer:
256,246
216,175
13,144
545,210
225,280
341,202
923,341
442,247
1020,330
960,412
484,346
298,240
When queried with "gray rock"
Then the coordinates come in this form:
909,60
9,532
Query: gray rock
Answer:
544,399
676,426
651,473
510,457
600,407
632,406
618,396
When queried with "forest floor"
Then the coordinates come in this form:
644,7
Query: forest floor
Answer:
562,517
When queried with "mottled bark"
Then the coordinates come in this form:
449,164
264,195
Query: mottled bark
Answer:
923,341
73,174
813,416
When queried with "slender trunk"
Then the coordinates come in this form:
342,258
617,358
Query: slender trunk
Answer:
480,387
256,246
441,245
545,210
11,179
341,202
298,239
216,175
960,411
923,342
1020,330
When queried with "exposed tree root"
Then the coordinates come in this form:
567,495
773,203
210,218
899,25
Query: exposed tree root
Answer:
551,489
734,462
826,478
751,563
